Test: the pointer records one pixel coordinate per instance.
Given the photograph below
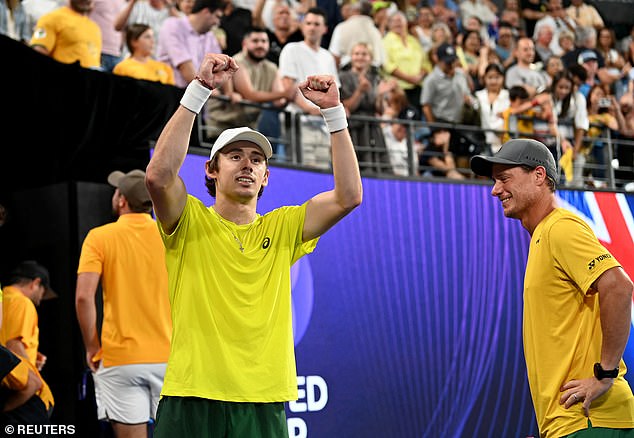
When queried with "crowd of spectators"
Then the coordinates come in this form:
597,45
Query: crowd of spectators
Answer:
457,63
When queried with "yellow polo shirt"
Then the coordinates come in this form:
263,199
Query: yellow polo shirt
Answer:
562,327
130,257
20,321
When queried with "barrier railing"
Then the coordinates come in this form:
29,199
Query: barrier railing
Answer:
615,173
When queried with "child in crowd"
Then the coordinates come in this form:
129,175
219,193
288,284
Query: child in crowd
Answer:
518,117
140,64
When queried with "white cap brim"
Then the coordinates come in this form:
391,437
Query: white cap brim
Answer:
241,134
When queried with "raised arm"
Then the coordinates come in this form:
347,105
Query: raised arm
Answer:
166,188
327,208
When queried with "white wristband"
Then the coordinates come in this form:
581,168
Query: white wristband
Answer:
196,94
335,118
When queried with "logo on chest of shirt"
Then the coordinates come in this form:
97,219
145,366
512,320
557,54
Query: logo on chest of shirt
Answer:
598,259
266,243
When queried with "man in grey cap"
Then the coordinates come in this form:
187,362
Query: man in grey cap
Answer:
128,360
577,302
232,362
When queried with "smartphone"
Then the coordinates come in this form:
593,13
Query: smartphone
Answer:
604,102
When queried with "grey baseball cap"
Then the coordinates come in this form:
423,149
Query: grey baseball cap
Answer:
132,186
518,152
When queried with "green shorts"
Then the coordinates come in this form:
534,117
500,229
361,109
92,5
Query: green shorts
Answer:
601,432
194,417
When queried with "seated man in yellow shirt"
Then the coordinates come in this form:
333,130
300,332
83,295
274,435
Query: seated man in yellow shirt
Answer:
28,286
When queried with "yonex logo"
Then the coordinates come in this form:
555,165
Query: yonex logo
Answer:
598,259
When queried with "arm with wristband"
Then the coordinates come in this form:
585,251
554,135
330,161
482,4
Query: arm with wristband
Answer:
166,188
326,209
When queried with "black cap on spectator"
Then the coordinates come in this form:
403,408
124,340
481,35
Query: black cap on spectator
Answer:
446,53
30,270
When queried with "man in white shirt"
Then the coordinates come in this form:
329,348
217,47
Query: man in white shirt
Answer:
297,61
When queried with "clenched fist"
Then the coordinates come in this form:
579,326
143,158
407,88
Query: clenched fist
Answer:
216,69
321,90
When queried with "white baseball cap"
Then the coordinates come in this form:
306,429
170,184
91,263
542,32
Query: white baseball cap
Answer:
236,134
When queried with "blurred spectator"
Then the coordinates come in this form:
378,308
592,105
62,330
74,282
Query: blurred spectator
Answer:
512,13
532,11
493,100
359,27
615,64
572,122
140,64
444,89
472,23
183,41
14,21
444,10
346,9
410,9
625,153
235,22
585,40
436,158
446,98
423,28
405,59
285,30
396,142
257,80
626,44
297,62
471,54
506,42
361,92
579,76
484,10
522,73
393,101
150,12
606,46
519,116
566,42
559,21
440,34
263,11
584,14
184,7
543,39
589,61
128,356
104,14
551,68
68,35
381,11
604,112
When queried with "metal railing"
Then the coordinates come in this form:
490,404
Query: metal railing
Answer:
614,174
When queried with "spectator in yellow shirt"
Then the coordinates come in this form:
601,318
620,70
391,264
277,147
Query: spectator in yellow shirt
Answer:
140,64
